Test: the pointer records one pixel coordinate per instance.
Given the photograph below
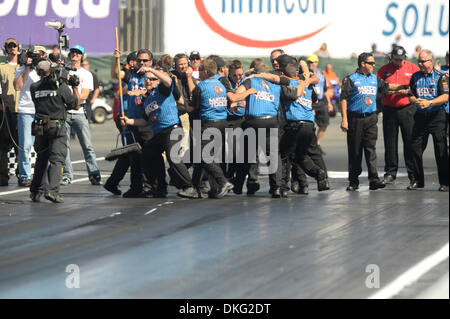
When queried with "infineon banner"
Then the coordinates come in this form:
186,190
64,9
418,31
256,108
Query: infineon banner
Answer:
89,23
255,27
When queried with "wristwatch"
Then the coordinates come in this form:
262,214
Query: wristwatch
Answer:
431,104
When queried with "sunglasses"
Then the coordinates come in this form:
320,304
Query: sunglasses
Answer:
11,45
371,63
423,61
76,52
143,60
152,79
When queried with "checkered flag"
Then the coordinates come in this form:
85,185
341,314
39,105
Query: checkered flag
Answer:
12,162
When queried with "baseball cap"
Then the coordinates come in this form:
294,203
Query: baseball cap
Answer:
284,60
78,47
399,53
132,56
194,55
313,58
43,66
11,40
220,62
39,49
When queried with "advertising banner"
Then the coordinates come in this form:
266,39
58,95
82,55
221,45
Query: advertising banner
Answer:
255,27
89,23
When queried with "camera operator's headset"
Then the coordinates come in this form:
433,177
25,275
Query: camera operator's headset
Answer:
5,49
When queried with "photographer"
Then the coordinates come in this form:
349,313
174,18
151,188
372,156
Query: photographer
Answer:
77,121
8,106
51,102
25,76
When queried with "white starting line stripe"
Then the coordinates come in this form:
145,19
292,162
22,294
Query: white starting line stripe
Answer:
413,274
83,161
150,211
22,190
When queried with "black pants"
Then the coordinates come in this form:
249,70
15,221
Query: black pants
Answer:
7,120
251,169
424,125
154,165
393,119
299,150
362,137
51,149
214,170
131,160
234,123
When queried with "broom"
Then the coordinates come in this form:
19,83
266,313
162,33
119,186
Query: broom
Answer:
125,149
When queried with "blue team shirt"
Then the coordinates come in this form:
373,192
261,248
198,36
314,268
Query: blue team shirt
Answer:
363,98
240,110
266,101
134,103
213,100
444,69
426,86
161,110
300,109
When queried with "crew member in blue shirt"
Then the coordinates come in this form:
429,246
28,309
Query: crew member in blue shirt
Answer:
161,113
210,98
299,136
429,93
359,119
261,112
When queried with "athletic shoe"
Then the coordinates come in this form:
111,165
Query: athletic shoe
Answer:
65,181
25,182
252,189
36,197
374,185
352,187
113,189
189,192
95,180
54,197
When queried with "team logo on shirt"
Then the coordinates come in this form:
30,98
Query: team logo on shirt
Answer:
367,101
218,90
265,85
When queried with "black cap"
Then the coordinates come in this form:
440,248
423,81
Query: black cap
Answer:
194,55
132,56
398,52
283,60
220,62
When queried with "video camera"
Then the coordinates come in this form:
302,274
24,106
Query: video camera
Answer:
24,55
61,74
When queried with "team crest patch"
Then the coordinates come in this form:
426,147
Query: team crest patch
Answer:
368,101
218,90
265,85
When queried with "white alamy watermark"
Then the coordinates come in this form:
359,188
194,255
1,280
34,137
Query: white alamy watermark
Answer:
73,280
373,280
236,149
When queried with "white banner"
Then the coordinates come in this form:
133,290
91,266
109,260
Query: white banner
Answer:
255,27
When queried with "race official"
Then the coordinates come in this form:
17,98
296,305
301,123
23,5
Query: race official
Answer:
51,102
398,113
359,119
429,93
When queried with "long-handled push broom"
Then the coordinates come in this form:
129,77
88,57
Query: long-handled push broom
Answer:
126,148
